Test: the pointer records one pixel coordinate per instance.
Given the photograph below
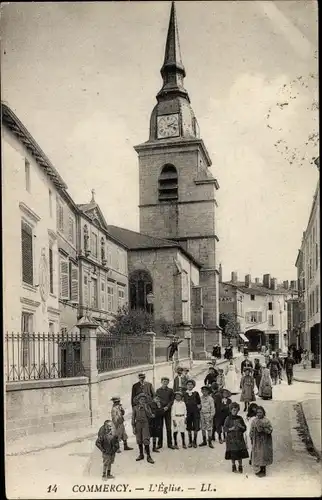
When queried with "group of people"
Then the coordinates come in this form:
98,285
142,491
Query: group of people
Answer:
183,410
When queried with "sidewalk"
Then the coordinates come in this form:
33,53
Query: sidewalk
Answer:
312,412
38,442
310,375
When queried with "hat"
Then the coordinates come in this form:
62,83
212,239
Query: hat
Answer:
178,392
116,398
206,387
179,369
141,375
226,390
214,386
191,381
165,378
141,395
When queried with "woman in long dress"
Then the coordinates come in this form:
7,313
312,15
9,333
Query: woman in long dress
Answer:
231,378
262,443
265,390
251,415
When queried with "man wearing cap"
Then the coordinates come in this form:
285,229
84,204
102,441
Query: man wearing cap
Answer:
246,363
166,396
142,386
179,380
141,416
117,415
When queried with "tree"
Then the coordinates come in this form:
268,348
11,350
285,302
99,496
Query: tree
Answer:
229,324
131,322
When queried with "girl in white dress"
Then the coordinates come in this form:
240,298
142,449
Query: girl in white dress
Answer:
179,418
231,379
251,415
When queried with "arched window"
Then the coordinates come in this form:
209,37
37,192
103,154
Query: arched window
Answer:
168,183
140,286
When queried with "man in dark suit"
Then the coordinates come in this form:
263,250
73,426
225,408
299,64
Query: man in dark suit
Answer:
166,396
142,386
246,363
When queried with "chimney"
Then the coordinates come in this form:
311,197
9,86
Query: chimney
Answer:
267,280
248,280
293,285
257,281
273,283
220,273
234,277
286,285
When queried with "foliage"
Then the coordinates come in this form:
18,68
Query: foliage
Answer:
137,322
229,324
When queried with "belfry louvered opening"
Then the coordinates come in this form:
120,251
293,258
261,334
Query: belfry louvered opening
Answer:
168,183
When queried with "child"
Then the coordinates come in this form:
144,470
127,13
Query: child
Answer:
234,428
220,378
156,422
185,378
247,385
193,404
214,395
211,376
179,419
117,414
141,416
251,415
207,414
107,442
222,403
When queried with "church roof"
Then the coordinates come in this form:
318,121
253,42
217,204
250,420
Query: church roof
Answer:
257,289
139,241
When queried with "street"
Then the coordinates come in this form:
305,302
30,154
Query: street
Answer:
75,468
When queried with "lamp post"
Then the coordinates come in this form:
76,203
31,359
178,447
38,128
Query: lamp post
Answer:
150,300
153,335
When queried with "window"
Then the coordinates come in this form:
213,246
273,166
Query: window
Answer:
51,270
270,306
168,184
26,329
140,286
110,298
271,320
94,242
64,279
252,297
27,175
94,293
73,273
51,328
109,255
103,295
50,194
60,216
27,253
121,296
254,317
71,229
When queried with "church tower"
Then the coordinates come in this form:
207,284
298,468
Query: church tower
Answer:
177,189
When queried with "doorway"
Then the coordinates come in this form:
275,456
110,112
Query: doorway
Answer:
256,339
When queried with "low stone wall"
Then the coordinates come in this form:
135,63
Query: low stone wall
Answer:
39,406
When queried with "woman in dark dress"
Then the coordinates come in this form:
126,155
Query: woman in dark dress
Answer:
234,428
257,373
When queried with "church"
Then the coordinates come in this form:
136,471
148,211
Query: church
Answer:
173,257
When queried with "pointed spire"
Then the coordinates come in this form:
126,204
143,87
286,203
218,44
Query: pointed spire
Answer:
173,71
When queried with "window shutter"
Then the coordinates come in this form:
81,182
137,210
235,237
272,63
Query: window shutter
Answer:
27,257
74,283
103,295
64,279
71,229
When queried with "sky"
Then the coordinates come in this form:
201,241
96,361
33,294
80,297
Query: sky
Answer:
82,77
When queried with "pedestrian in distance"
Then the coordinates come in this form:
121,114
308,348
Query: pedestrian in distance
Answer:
107,442
220,378
141,416
280,367
234,427
257,373
288,366
193,405
245,363
117,415
179,419
305,359
231,379
251,415
222,403
265,390
166,396
211,376
142,386
247,385
262,443
207,413
156,422
274,368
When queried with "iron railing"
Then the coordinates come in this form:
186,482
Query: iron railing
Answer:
122,352
38,356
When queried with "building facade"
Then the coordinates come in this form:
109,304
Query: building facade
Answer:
260,309
308,269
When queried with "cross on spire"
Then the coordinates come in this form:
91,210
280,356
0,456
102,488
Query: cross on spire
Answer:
93,196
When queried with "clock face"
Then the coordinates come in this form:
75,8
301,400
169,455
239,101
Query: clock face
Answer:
168,126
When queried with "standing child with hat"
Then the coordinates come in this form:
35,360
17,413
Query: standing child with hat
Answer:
156,423
207,413
141,416
107,442
193,405
179,419
247,385
222,403
117,415
234,427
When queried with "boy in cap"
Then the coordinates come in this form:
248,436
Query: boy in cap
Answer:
142,386
107,442
193,404
207,414
141,417
166,396
156,423
179,380
222,401
117,415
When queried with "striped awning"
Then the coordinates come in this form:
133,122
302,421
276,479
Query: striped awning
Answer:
243,337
